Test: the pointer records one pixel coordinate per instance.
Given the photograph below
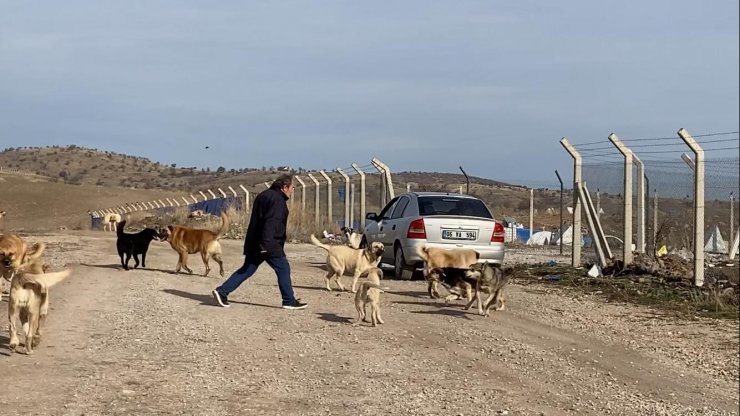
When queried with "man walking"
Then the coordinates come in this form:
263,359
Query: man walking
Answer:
265,242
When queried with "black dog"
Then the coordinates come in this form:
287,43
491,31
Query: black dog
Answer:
134,244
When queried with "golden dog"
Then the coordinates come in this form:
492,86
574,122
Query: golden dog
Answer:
344,258
369,293
29,302
443,258
186,241
14,252
110,221
490,280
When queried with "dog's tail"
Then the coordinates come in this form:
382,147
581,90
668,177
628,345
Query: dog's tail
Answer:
315,241
224,226
44,281
372,285
35,252
422,252
119,228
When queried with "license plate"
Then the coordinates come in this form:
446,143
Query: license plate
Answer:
459,235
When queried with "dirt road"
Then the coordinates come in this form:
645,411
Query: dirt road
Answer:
151,342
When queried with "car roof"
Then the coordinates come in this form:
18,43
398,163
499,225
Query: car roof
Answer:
454,194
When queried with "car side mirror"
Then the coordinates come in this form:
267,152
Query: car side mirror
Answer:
371,216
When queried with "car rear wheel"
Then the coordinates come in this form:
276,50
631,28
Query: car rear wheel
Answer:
399,264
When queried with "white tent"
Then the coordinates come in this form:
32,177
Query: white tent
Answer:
715,243
567,236
540,238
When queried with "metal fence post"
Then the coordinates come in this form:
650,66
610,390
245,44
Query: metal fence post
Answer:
576,227
698,205
560,230
627,153
640,203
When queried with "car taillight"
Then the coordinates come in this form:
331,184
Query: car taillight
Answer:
498,234
416,229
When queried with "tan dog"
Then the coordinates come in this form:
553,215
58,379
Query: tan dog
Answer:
343,258
14,252
491,281
369,293
197,213
29,302
186,241
110,219
442,259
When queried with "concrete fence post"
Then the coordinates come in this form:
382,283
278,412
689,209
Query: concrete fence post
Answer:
382,185
221,191
205,198
233,191
303,192
316,206
388,178
246,198
627,237
577,179
698,205
347,220
732,216
531,212
329,193
213,196
362,195
352,206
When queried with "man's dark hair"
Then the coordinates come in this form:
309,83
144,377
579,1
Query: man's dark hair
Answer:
282,181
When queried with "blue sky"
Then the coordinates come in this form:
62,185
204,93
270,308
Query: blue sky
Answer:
422,85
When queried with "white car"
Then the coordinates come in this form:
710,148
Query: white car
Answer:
433,219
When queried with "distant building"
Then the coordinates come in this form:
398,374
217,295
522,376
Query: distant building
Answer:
284,168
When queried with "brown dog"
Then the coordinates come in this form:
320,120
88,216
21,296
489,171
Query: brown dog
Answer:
344,258
29,302
369,293
455,280
442,258
14,252
186,241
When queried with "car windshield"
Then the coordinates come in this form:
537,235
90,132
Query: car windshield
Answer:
448,205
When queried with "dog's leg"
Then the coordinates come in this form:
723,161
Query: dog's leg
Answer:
360,306
143,260
204,256
329,276
33,326
185,262
136,261
377,312
492,299
13,314
217,258
433,292
355,279
43,313
470,302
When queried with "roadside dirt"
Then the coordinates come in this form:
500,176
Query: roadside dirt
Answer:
152,342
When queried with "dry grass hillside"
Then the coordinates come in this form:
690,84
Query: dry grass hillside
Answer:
67,181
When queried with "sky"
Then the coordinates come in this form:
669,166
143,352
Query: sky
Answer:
421,85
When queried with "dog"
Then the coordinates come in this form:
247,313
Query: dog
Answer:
29,302
14,252
491,281
444,259
110,219
186,241
354,239
197,213
134,244
343,258
3,214
369,293
455,280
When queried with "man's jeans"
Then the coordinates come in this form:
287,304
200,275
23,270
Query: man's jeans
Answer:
279,264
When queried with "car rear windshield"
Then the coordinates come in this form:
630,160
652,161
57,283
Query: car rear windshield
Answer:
448,205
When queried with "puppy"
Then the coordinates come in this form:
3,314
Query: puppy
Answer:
110,219
354,239
197,213
29,303
369,293
134,244
444,258
186,241
343,258
491,281
455,280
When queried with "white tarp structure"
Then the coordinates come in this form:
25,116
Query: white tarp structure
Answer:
540,238
567,236
715,243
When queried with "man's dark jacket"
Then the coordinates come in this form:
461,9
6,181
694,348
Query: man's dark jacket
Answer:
267,225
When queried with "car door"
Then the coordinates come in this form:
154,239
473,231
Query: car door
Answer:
376,230
394,226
